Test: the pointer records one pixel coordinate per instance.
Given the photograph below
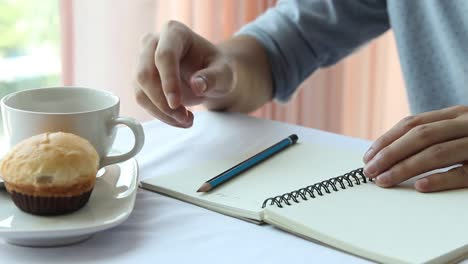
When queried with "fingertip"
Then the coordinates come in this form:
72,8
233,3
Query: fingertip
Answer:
199,85
180,114
190,116
368,155
371,170
382,183
188,122
422,185
190,119
214,81
173,100
384,180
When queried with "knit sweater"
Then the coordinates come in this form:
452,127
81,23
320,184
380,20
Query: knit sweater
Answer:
301,36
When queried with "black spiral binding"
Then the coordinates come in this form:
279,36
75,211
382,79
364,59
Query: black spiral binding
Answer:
353,177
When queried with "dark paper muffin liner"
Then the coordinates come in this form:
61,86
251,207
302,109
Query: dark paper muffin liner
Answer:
43,205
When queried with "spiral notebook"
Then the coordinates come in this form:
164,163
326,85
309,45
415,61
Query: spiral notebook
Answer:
316,192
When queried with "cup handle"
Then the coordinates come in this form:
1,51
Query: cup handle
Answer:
137,130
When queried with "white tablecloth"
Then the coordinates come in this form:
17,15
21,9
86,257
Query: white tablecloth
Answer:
165,230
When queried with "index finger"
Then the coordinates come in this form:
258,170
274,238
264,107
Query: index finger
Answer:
149,81
173,44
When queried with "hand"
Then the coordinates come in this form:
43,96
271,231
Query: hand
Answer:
419,144
178,68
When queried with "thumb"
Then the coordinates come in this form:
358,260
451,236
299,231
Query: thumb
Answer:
214,81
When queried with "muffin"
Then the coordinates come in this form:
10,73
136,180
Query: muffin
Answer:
51,173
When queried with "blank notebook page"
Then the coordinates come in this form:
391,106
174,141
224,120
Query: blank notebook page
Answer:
299,165
390,225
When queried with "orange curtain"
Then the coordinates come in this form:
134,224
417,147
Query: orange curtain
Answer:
362,96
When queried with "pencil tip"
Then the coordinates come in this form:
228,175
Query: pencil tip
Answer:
204,188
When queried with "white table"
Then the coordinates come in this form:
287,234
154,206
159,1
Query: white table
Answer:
165,230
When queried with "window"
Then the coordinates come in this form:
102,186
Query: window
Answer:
29,45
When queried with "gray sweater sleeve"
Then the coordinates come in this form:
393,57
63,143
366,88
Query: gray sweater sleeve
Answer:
302,35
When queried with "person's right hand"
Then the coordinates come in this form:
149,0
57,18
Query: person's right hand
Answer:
179,68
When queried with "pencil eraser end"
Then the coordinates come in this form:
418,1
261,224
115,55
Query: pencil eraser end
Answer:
294,138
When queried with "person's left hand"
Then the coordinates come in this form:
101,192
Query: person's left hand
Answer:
419,144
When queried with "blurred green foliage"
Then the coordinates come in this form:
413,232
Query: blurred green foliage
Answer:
26,24
29,83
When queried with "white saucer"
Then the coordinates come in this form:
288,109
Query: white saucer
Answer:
110,204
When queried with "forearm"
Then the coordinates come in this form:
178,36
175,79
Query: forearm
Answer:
252,80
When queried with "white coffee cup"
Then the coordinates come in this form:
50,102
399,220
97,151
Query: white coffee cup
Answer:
89,113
